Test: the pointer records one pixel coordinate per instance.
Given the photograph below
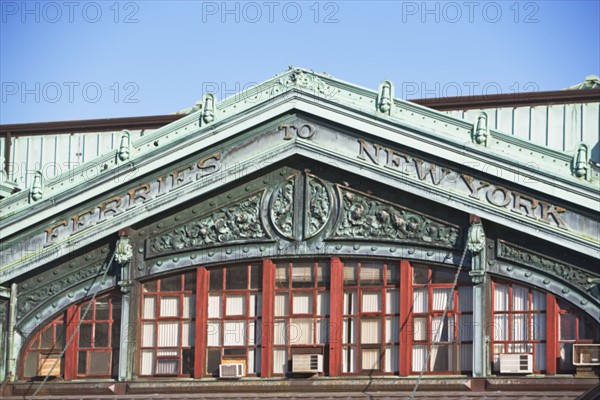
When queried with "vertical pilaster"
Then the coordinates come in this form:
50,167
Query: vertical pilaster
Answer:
4,327
70,357
406,329
551,334
12,339
127,326
336,309
476,244
268,301
202,287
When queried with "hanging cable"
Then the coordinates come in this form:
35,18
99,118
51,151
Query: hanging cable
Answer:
440,326
86,310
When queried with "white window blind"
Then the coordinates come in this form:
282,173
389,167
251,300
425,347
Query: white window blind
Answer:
371,301
168,334
169,306
302,302
234,304
370,332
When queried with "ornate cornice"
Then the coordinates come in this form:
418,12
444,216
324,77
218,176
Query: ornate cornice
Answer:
589,282
365,217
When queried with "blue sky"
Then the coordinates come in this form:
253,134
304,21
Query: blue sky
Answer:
83,59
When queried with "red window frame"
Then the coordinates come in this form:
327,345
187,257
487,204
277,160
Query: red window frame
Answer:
251,289
390,282
52,334
93,320
320,321
453,342
181,353
586,331
529,312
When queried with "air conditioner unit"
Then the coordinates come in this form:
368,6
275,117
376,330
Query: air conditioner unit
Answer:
516,363
231,371
586,354
312,363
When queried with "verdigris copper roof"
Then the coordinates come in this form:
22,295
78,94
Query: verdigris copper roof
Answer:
591,82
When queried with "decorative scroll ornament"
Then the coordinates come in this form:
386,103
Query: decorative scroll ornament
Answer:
368,218
481,132
236,222
576,276
301,79
282,209
319,207
124,251
125,146
37,189
476,238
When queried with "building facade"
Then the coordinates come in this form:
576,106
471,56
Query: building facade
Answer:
305,228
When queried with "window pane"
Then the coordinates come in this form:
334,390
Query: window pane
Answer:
520,298
420,300
169,306
101,334
370,359
323,330
441,358
418,358
420,275
187,333
234,333
371,273
82,362
465,299
282,275
323,274
168,334
148,334
350,303
392,330
442,275
213,359
150,286
350,273
303,275
391,359
235,304
149,307
280,361
280,332
281,304
392,301
301,331
442,299
167,367
348,359
500,327
171,284
255,306
371,301
256,276
442,331
349,331
214,306
370,331
567,327
500,297
302,303
85,335
237,277
393,274
538,327
323,303
213,337
102,309
187,361
147,363
190,280
420,329
99,363
216,279
189,306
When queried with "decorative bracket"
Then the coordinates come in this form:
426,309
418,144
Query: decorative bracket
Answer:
476,245
124,251
208,112
580,167
37,189
125,146
384,99
481,131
